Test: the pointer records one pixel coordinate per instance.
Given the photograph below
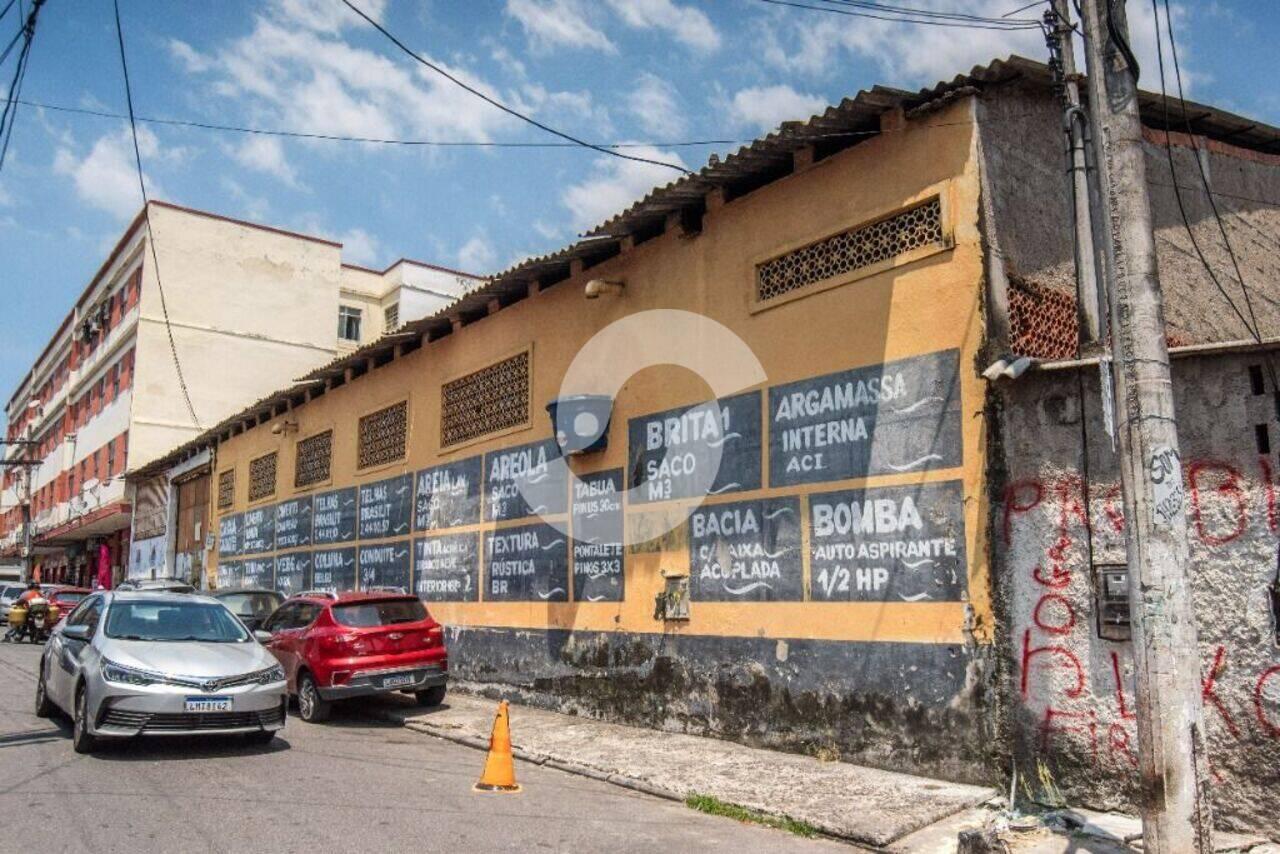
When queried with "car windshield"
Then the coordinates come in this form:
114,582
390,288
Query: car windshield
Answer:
12,592
159,620
387,612
256,604
67,597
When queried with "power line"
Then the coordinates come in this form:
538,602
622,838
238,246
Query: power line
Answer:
1032,5
146,212
1003,21
904,17
501,106
9,116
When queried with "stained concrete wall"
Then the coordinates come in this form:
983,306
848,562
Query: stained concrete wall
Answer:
1070,693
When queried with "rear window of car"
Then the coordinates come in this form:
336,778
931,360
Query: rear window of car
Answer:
252,604
12,592
69,598
388,612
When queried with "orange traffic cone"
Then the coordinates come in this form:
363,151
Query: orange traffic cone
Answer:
499,773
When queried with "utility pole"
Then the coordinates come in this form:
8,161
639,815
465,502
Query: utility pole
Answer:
1172,757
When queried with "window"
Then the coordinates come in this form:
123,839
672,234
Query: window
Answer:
382,435
858,248
111,459
388,613
348,323
262,476
311,463
115,381
226,489
491,399
391,316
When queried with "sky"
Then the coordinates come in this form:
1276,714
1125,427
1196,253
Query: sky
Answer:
638,71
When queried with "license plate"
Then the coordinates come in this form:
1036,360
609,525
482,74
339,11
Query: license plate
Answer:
399,679
208,704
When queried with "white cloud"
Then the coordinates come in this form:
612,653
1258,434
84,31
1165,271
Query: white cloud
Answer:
558,23
655,104
327,16
689,25
476,256
359,247
188,57
614,184
107,177
266,154
765,107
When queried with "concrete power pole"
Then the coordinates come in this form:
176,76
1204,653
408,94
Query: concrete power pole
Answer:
1172,757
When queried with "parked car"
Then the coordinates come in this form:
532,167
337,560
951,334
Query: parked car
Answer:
9,594
251,604
144,663
65,597
159,585
336,646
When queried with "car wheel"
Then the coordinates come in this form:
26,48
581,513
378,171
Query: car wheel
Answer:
431,696
44,708
312,708
81,739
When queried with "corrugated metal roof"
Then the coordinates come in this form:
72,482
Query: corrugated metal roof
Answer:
752,166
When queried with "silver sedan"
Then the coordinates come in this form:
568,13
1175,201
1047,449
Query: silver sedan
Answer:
147,663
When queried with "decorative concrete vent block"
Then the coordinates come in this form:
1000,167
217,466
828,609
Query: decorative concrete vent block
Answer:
487,401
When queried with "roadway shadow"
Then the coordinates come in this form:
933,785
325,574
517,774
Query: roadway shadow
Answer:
181,748
32,736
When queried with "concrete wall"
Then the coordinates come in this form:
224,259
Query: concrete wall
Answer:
892,670
1071,701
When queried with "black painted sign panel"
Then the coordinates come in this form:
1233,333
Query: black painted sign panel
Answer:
229,535
230,574
258,531
385,507
293,523
529,563
385,566
446,568
333,518
597,537
258,572
447,495
672,454
293,572
333,569
888,544
746,551
527,480
901,416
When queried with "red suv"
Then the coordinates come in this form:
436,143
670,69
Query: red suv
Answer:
335,646
64,597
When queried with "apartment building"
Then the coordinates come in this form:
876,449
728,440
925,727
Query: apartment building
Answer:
245,308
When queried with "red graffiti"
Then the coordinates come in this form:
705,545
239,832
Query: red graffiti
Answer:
1125,713
1118,740
1258,706
1268,484
1066,619
1228,490
1209,692
1114,514
1012,505
1066,657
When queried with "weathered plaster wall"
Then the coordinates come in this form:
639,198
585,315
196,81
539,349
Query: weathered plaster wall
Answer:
1070,693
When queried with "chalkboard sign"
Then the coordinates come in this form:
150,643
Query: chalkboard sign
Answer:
446,568
258,572
230,574
385,507
293,572
229,535
385,566
901,416
333,519
293,523
889,544
258,531
670,454
527,480
447,495
333,570
746,551
597,537
529,563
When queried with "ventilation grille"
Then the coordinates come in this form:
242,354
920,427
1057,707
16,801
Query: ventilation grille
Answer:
1042,321
312,462
491,399
226,489
391,316
851,250
383,434
262,476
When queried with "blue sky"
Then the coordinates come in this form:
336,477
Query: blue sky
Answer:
608,70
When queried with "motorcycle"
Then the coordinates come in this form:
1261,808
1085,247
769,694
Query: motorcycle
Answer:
33,620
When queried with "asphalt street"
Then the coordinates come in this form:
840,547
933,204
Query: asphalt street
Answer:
354,783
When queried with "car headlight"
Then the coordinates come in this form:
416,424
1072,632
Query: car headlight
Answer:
122,675
275,673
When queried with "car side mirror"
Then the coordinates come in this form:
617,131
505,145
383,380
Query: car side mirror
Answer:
76,633
261,636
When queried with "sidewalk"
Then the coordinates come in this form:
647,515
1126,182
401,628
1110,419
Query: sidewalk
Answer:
864,805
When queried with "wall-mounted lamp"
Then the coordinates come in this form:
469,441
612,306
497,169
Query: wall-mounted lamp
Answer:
597,288
581,422
284,427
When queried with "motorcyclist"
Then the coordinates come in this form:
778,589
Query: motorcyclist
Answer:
32,592
29,596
